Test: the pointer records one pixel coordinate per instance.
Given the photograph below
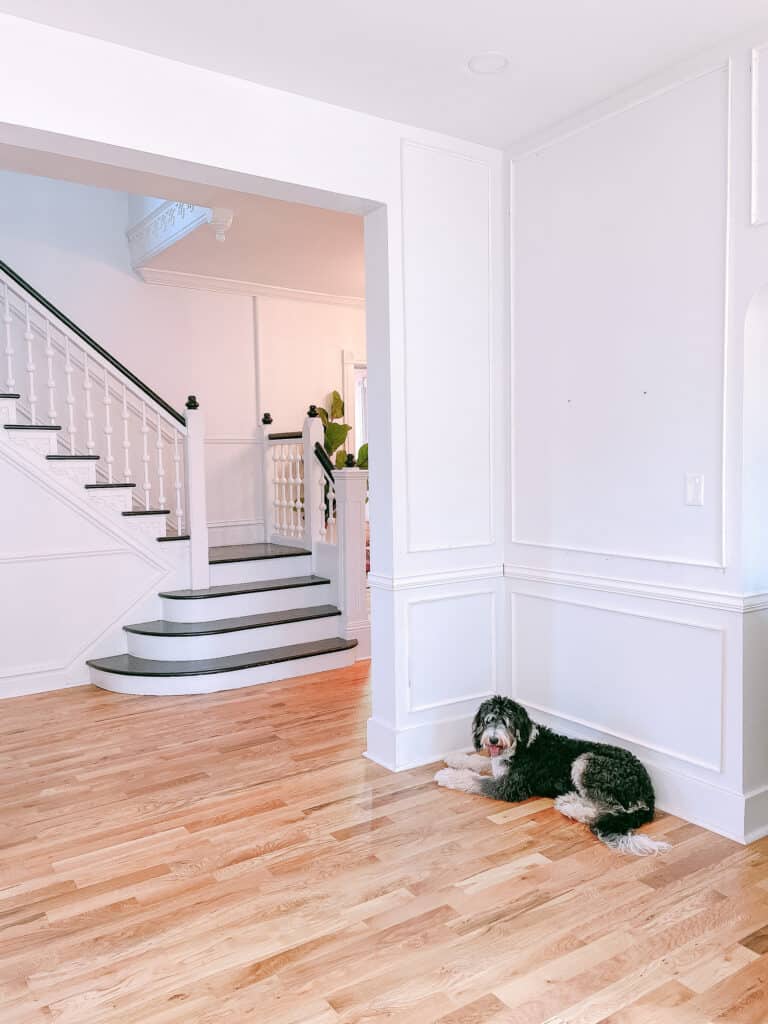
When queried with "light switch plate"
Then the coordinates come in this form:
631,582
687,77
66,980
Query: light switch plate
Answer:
694,489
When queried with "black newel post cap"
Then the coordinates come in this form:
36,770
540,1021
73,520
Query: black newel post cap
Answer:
192,402
312,412
349,462
266,419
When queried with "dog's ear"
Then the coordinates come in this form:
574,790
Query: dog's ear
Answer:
521,724
478,726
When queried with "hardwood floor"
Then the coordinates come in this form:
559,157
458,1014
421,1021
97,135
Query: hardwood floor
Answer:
232,857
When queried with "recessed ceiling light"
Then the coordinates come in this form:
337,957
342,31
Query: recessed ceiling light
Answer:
488,63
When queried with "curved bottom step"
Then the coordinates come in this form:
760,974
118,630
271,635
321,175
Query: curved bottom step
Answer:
124,673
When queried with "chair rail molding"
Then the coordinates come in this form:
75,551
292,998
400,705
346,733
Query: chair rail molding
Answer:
229,286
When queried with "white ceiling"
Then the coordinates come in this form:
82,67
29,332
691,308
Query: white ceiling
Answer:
406,59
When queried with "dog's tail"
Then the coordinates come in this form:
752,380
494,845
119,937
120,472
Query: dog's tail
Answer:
615,829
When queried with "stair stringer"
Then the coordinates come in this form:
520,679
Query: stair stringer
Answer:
73,574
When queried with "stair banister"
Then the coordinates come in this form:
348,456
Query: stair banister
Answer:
200,571
351,495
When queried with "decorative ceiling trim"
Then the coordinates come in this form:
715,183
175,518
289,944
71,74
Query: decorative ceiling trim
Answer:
167,224
201,282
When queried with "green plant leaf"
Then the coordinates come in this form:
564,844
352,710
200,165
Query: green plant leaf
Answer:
323,415
362,456
335,436
337,406
341,458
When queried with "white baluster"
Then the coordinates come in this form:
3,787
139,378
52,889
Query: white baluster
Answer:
10,380
322,518
69,397
90,444
124,415
147,486
49,354
276,486
177,485
160,448
29,337
331,513
108,426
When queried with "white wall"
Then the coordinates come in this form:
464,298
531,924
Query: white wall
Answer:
434,217
634,267
301,344
68,241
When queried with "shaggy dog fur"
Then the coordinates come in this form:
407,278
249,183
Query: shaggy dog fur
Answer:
605,787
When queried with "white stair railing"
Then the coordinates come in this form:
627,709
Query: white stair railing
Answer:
310,504
63,377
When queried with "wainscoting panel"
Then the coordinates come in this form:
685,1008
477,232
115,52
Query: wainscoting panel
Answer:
233,466
449,349
636,676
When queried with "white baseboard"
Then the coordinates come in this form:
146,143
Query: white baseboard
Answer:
362,634
417,745
756,815
27,684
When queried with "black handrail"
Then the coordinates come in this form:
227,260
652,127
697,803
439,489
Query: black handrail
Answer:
286,435
91,343
322,457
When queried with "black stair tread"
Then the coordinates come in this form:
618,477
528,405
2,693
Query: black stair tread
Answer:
9,394
147,512
254,587
174,536
128,665
252,552
161,627
30,426
105,487
73,458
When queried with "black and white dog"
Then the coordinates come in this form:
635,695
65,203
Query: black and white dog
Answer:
605,787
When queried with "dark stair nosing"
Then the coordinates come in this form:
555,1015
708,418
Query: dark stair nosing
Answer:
128,665
30,426
254,587
162,627
105,487
176,536
280,551
73,458
9,394
147,512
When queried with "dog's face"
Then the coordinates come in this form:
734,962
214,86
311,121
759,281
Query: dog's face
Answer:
500,726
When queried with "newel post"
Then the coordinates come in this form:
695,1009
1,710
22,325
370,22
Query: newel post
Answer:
351,493
313,475
267,471
200,570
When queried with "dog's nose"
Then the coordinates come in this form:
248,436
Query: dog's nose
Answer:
494,741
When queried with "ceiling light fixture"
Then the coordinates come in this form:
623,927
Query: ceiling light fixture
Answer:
490,63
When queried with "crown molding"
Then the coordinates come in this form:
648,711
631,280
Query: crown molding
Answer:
165,225
202,282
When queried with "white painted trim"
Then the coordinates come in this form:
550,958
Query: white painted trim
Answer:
232,439
163,227
435,579
755,217
586,121
201,282
52,556
606,731
490,405
236,522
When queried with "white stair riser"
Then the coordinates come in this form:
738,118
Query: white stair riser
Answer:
75,472
42,442
191,648
150,527
8,410
117,500
175,685
260,569
207,609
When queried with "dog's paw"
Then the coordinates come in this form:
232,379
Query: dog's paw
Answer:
457,759
445,776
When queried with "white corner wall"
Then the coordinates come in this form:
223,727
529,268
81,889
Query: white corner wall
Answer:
68,241
634,616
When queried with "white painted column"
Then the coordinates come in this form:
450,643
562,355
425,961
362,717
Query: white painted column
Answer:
200,571
351,492
267,483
